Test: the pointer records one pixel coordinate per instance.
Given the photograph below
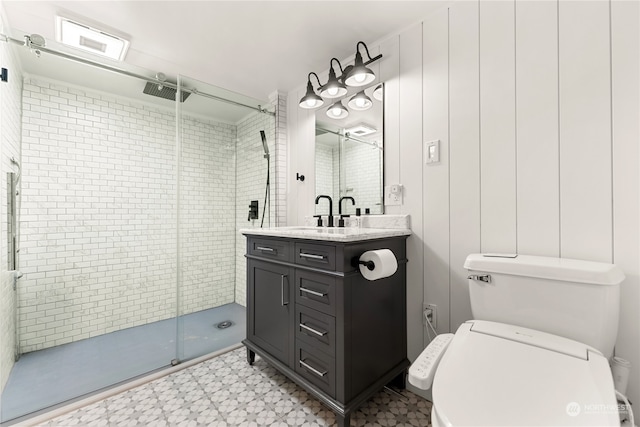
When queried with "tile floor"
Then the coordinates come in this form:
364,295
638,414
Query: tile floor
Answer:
226,391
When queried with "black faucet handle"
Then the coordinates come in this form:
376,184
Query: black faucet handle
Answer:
319,220
341,220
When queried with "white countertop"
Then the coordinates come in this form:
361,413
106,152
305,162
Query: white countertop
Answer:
333,234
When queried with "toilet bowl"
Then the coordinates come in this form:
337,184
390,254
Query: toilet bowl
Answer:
494,374
537,355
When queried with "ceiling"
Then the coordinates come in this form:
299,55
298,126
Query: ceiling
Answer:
249,47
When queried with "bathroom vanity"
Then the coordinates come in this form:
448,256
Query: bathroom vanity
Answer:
314,317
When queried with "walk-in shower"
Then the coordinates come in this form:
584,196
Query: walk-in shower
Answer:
126,223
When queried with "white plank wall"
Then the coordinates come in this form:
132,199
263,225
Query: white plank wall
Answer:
464,149
585,131
435,209
411,176
538,213
626,180
497,127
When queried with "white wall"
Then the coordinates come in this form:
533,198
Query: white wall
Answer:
10,112
535,104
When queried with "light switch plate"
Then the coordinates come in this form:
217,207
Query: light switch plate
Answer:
432,151
393,195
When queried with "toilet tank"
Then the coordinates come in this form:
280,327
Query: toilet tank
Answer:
579,300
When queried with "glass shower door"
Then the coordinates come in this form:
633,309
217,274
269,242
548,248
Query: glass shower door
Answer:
97,302
221,158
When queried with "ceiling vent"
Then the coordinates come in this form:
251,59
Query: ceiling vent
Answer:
361,129
90,39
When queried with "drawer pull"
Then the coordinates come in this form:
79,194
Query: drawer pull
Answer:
312,369
312,256
309,291
263,248
314,331
282,277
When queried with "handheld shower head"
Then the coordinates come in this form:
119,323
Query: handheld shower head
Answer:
265,146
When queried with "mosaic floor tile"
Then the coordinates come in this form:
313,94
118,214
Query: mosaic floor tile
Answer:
226,391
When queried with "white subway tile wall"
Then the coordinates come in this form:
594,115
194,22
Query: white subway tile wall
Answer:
363,181
361,177
10,104
98,245
207,205
252,175
326,177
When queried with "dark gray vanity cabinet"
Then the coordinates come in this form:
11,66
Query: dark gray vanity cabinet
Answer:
269,323
312,316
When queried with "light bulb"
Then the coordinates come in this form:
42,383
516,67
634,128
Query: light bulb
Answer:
333,91
311,103
361,102
360,77
335,112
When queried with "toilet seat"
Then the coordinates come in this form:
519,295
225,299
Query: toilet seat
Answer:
496,374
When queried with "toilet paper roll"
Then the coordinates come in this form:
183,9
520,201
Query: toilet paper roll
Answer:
384,261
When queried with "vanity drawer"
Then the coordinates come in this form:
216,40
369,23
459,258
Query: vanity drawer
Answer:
270,248
316,329
317,291
316,367
319,256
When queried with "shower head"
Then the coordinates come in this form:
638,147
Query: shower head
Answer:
264,143
166,92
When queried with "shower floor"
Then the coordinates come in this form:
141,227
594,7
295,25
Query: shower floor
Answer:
54,375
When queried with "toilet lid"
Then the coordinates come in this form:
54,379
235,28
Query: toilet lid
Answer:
496,374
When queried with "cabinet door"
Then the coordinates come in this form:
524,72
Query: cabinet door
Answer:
270,308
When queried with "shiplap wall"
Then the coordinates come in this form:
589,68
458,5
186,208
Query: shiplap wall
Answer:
535,104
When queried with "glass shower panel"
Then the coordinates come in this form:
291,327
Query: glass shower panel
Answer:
97,302
221,156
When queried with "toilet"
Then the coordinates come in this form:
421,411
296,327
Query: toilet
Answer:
537,352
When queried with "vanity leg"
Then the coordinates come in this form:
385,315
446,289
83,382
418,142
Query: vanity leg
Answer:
343,420
400,382
251,357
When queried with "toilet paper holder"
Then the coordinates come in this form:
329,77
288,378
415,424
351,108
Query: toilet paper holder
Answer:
369,264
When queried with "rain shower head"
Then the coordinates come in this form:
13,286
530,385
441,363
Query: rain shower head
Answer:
162,91
264,143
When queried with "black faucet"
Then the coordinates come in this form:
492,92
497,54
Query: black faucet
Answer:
330,208
353,202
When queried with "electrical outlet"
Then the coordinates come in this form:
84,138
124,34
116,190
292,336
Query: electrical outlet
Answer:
393,195
433,318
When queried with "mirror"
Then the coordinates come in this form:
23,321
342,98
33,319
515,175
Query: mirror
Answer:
349,157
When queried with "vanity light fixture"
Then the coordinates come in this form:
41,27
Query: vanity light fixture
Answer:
378,92
355,75
360,101
310,99
359,74
337,111
334,88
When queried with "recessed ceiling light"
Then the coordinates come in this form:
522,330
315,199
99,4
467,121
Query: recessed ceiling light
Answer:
88,39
